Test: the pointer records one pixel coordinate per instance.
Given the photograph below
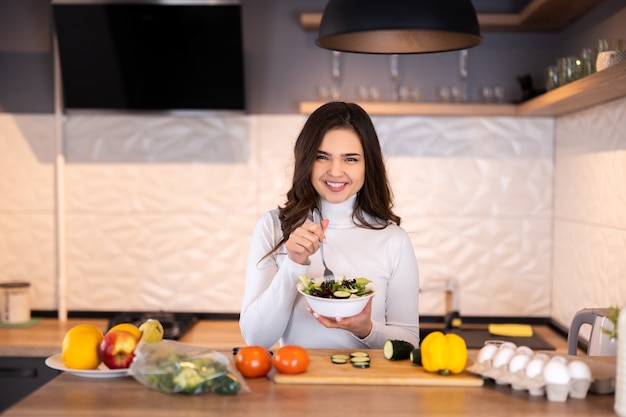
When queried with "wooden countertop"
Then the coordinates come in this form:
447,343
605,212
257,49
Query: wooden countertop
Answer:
44,338
69,395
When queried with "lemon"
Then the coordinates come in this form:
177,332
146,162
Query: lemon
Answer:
129,327
151,331
80,348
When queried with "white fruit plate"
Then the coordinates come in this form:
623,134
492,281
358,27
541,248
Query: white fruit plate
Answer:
55,362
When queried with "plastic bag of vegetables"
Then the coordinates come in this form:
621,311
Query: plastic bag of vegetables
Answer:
174,367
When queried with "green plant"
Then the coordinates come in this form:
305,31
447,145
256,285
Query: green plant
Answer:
613,315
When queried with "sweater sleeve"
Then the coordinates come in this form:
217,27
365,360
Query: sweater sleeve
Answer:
401,304
270,287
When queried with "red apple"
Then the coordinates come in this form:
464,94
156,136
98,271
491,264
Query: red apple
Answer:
117,349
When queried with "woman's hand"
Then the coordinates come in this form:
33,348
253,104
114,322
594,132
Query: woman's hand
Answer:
359,325
305,241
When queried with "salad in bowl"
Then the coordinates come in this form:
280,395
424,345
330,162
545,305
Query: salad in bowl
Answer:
340,298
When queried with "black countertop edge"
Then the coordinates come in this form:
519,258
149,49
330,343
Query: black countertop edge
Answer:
235,316
110,314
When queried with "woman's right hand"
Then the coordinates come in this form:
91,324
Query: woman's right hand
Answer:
305,241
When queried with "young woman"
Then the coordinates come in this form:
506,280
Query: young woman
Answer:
339,172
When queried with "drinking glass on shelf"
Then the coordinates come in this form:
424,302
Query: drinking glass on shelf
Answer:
404,93
455,94
374,93
364,92
616,45
444,93
498,94
487,93
414,94
323,92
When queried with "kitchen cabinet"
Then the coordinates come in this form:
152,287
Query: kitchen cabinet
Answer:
586,92
20,376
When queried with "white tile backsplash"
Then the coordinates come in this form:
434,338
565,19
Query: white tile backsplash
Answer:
159,211
590,211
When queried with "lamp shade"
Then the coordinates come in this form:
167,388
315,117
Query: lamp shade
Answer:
398,26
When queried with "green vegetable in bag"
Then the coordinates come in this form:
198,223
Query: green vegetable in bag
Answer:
174,367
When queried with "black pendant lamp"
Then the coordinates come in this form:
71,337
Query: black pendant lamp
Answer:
398,26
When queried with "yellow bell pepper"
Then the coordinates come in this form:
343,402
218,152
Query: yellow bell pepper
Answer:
443,353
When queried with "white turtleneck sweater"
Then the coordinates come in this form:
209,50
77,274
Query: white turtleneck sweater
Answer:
273,310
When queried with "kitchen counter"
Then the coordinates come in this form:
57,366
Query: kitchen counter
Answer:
69,395
44,338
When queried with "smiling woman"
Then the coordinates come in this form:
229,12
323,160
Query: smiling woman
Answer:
339,172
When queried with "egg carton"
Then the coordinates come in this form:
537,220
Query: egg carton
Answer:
571,385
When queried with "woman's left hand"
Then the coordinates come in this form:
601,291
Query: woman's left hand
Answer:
359,325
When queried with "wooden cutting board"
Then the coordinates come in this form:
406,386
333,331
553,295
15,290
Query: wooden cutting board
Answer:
381,372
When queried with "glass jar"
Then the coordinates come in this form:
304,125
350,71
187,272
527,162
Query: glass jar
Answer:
587,64
551,77
568,69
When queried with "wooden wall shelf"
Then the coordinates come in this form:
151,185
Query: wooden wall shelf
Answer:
424,108
594,89
537,15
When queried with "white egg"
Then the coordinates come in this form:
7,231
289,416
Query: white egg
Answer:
556,372
579,370
485,354
502,357
524,350
518,362
560,359
535,366
507,345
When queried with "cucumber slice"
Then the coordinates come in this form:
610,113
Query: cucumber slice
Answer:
361,365
354,354
395,350
416,357
360,359
339,359
341,294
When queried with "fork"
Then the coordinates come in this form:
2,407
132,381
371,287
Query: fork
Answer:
328,274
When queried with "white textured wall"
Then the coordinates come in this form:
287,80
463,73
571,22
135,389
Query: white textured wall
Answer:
590,211
159,210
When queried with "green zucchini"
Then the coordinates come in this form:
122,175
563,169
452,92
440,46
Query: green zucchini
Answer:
341,294
416,357
395,350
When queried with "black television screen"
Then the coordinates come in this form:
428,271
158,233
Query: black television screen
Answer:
150,56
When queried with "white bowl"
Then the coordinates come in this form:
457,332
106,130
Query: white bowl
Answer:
337,307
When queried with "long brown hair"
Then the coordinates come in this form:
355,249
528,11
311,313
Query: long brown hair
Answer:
374,198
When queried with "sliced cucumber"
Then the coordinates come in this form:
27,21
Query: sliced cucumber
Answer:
360,359
355,354
361,365
341,294
339,359
416,357
396,350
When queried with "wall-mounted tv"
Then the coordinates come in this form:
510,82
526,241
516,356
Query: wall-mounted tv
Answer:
150,55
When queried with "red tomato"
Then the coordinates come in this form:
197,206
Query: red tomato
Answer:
253,361
291,360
